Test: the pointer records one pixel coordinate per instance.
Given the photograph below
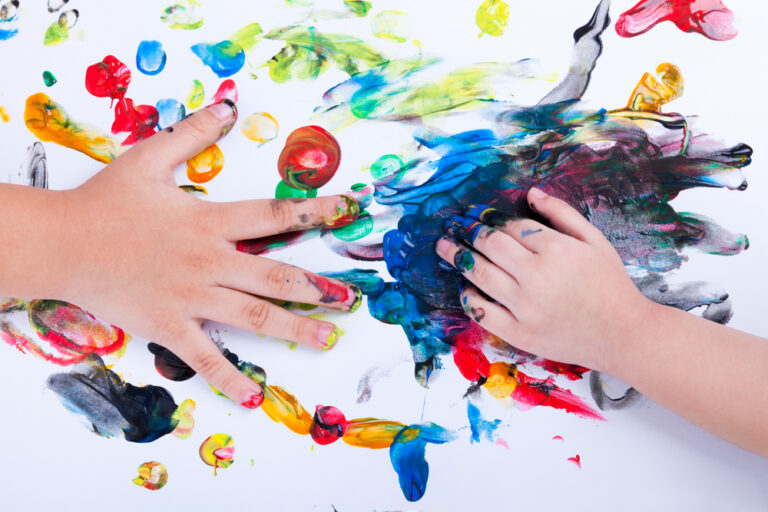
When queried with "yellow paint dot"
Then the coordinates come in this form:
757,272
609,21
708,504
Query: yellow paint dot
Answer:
204,166
492,17
4,115
260,127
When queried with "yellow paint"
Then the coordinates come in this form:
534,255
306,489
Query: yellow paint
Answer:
371,433
204,166
260,127
49,122
185,418
392,26
283,407
502,380
4,115
152,476
492,17
196,95
218,451
651,93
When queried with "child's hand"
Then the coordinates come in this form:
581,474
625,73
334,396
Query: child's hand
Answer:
561,293
146,256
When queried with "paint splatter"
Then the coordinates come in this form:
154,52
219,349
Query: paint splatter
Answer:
204,166
169,111
183,15
139,122
576,460
310,158
479,426
108,79
492,17
9,16
112,407
36,166
59,30
152,476
56,5
391,26
710,18
49,122
557,438
227,57
194,190
227,91
196,95
260,127
150,57
218,451
359,7
49,79
652,93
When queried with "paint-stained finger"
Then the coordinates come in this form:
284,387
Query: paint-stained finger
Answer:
563,217
492,317
277,280
243,220
257,315
532,235
482,273
199,352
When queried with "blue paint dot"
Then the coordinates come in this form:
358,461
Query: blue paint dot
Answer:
171,111
225,58
150,57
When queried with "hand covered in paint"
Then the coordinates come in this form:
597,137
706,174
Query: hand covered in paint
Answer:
156,261
561,293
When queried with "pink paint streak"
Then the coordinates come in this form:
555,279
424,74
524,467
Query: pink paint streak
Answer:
576,460
710,18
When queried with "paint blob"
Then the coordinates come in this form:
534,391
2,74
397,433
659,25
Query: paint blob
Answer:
310,158
108,79
152,476
260,127
204,166
227,57
492,17
218,451
196,95
49,79
359,7
150,57
9,15
59,30
710,18
227,91
169,111
285,191
4,115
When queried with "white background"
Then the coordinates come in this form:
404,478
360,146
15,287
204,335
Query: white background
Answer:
642,458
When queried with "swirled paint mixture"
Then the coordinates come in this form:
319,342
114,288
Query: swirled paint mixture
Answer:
710,18
152,476
310,158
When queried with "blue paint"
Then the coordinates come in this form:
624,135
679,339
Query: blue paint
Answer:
8,25
150,57
170,112
529,232
480,426
225,58
407,454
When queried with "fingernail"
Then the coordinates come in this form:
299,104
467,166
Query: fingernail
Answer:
463,260
226,112
254,401
328,335
347,211
358,298
538,193
443,245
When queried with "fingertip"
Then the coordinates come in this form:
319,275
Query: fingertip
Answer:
327,336
254,399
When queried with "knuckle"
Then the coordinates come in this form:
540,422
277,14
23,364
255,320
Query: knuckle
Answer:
480,272
203,263
256,314
283,211
206,363
281,278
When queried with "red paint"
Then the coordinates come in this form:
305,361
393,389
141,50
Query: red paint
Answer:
310,158
328,425
576,460
558,438
468,354
254,402
570,371
331,291
226,91
267,243
532,392
140,122
108,78
711,18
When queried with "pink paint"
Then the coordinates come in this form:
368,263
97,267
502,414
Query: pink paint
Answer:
576,460
531,392
710,18
226,91
502,442
558,438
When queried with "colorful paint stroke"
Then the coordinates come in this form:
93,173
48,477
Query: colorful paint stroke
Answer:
152,476
260,127
9,16
710,18
183,15
227,57
310,158
406,443
479,426
59,30
4,115
111,407
150,57
65,334
492,17
196,95
392,26
49,122
359,7
218,451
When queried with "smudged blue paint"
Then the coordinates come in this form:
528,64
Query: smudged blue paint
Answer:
529,232
408,456
8,27
150,57
480,426
170,112
225,58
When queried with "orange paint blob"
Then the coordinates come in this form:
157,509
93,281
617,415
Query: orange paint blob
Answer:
502,380
204,166
4,116
651,93
371,433
283,407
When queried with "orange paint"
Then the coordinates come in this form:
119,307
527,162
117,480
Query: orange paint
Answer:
371,433
4,115
283,407
204,166
502,380
651,93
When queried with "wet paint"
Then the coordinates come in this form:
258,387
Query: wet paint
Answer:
479,426
391,25
139,122
260,127
9,15
4,115
49,79
196,95
152,476
185,419
150,57
285,191
218,451
169,111
492,17
183,15
227,57
108,79
194,190
227,91
59,30
204,166
310,158
407,454
710,18
359,7
576,460
652,93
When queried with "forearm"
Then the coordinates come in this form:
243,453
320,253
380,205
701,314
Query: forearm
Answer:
712,375
32,230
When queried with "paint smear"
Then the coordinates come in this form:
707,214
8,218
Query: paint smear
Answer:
710,18
359,7
4,115
576,460
59,30
310,158
185,419
9,16
194,190
285,191
227,57
479,426
196,95
260,127
227,91
492,17
150,57
653,92
407,454
218,451
108,79
183,15
204,166
49,122
49,79
391,25
152,476
139,122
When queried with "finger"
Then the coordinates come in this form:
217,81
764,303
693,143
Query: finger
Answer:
481,272
532,235
176,144
563,217
500,248
199,352
269,278
262,317
492,317
241,220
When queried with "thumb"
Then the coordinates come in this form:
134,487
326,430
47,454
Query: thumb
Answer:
178,143
563,217
199,352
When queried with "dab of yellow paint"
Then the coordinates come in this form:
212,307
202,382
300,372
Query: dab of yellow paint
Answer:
4,115
371,433
502,380
492,17
185,419
260,127
204,166
392,26
218,451
196,95
651,93
49,122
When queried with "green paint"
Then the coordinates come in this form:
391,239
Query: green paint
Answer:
247,36
284,190
182,16
48,78
359,7
464,260
385,166
196,95
391,26
361,227
57,32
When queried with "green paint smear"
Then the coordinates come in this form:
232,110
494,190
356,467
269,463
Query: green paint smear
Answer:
361,227
248,36
57,32
182,17
49,79
308,53
285,191
196,95
391,25
359,7
386,165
